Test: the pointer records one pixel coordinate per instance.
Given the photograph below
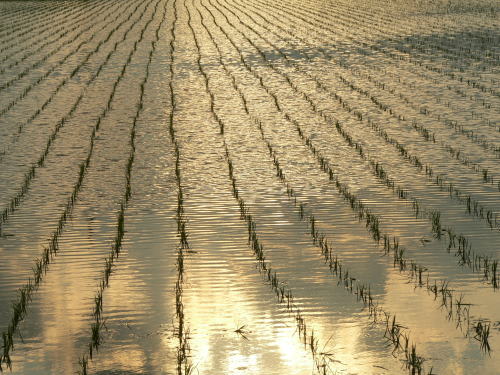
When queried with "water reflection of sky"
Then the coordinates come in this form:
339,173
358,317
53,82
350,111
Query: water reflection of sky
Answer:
235,324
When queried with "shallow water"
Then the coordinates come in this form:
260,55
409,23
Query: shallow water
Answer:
201,124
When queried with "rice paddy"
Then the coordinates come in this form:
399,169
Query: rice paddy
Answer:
249,187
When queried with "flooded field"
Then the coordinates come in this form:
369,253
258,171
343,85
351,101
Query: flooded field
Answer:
249,187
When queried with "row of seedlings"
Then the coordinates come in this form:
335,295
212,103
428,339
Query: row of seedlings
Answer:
458,311
40,79
411,47
72,42
462,245
334,57
182,331
413,270
59,32
28,23
19,307
323,360
423,43
98,324
371,43
463,250
426,133
394,332
449,44
429,135
457,77
372,221
436,28
19,16
16,133
305,19
473,206
51,26
29,176
24,18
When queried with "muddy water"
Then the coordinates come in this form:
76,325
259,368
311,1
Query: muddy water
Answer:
370,132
